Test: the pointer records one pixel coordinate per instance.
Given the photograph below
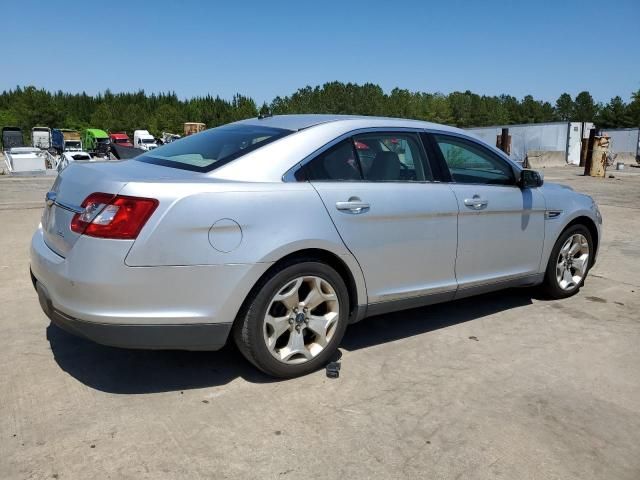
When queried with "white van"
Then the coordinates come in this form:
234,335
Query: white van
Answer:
144,140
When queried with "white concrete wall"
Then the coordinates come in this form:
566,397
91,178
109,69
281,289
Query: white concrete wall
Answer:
623,140
539,137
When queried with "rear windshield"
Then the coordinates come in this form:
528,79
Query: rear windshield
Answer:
212,148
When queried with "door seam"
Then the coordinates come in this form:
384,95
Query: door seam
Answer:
455,264
364,280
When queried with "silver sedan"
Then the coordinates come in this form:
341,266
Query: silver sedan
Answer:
280,231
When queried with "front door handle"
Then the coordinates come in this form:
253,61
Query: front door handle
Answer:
476,202
353,205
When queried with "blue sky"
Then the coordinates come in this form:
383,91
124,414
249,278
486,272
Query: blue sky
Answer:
268,48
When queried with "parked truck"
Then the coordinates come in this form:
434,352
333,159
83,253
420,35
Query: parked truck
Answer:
41,138
65,140
144,140
120,138
11,137
96,141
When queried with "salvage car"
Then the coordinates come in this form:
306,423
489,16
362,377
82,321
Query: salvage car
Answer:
280,231
67,158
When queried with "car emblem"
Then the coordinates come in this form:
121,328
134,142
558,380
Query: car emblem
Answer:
50,198
60,234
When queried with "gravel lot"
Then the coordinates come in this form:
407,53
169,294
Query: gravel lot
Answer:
499,386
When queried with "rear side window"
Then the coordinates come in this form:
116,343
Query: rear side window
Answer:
339,163
392,157
212,148
470,163
374,157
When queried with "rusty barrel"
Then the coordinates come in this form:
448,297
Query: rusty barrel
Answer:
599,155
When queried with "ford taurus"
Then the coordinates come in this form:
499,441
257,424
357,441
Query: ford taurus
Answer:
280,231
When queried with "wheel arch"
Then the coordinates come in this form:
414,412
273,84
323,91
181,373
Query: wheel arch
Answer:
593,230
357,304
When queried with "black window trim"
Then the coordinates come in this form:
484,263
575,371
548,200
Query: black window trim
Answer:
435,158
443,164
290,175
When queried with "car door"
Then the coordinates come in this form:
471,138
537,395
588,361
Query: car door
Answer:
500,225
399,224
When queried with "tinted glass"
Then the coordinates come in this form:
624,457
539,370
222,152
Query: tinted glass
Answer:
338,164
212,148
471,163
392,157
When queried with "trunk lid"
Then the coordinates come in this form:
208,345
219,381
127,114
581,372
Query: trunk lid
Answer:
77,182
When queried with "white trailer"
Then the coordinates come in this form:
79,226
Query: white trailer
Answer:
41,137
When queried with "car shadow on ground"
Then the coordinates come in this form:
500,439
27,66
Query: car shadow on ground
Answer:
122,371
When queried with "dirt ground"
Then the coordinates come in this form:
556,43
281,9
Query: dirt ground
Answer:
499,386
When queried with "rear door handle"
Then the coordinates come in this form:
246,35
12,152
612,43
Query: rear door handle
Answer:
476,202
353,205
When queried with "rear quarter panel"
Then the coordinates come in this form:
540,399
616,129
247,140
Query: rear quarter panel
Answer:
273,220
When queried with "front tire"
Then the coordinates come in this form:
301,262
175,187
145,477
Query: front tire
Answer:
294,319
569,263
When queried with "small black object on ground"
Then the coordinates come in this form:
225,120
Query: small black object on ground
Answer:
333,369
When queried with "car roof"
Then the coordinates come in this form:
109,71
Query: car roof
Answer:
304,121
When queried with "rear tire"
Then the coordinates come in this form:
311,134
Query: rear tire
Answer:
294,319
569,262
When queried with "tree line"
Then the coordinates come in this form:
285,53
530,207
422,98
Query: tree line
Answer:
27,107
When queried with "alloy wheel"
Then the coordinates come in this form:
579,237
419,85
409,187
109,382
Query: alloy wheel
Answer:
572,262
301,319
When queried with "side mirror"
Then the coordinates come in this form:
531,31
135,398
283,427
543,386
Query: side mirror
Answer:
530,179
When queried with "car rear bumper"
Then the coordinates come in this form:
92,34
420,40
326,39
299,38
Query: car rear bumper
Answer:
93,294
196,336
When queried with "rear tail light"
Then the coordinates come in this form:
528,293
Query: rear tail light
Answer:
113,216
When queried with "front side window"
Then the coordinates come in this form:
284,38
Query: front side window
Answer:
471,163
208,150
392,157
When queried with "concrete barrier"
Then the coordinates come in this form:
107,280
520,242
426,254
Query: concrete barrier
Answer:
628,158
541,159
